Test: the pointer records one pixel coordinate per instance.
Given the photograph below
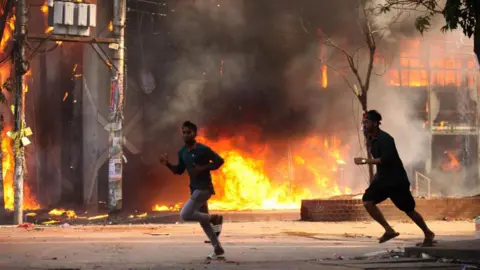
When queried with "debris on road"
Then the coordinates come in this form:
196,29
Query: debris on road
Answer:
426,256
26,225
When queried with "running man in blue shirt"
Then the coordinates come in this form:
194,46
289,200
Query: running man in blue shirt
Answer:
198,160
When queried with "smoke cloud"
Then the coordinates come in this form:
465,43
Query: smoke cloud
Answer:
231,64
400,109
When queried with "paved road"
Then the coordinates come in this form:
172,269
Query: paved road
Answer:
255,245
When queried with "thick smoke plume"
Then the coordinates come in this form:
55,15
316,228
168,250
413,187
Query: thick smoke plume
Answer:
233,64
237,65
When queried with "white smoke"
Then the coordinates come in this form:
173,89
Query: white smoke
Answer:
400,107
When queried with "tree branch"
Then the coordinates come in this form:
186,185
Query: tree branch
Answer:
344,77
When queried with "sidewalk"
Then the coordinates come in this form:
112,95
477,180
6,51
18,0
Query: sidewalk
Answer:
467,250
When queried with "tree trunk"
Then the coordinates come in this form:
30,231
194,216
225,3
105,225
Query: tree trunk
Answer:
476,35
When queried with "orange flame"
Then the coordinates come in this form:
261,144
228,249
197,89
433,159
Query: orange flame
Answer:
59,212
7,33
49,29
8,164
44,8
324,76
452,165
254,178
8,161
416,70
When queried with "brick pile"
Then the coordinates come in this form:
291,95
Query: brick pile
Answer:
353,210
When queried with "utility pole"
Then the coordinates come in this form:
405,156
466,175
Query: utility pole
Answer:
115,163
21,67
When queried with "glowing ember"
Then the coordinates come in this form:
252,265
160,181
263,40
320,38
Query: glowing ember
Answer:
60,212
138,216
254,178
324,76
44,8
161,208
50,222
97,217
49,29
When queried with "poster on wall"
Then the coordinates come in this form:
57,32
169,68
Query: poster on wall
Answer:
115,169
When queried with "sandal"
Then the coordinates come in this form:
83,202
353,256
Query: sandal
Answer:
429,241
387,237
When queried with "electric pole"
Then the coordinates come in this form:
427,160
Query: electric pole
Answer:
115,163
21,67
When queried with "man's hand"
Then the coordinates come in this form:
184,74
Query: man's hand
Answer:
360,160
198,169
164,159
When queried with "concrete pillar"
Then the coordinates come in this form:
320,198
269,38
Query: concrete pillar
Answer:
96,85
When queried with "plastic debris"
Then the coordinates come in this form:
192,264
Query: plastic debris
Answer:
65,225
26,225
337,256
380,253
426,256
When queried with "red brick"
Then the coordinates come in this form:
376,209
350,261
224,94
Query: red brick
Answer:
350,210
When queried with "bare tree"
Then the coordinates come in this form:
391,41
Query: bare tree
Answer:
361,68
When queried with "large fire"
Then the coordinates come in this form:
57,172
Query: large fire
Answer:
420,67
275,175
8,161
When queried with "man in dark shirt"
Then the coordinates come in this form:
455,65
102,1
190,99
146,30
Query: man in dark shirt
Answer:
198,160
390,181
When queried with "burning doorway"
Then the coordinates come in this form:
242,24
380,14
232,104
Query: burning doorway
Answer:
454,165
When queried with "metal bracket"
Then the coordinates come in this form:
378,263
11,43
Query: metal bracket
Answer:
67,38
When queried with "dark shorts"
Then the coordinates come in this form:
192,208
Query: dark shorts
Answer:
400,196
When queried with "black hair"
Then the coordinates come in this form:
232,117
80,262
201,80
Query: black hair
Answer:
190,125
374,116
